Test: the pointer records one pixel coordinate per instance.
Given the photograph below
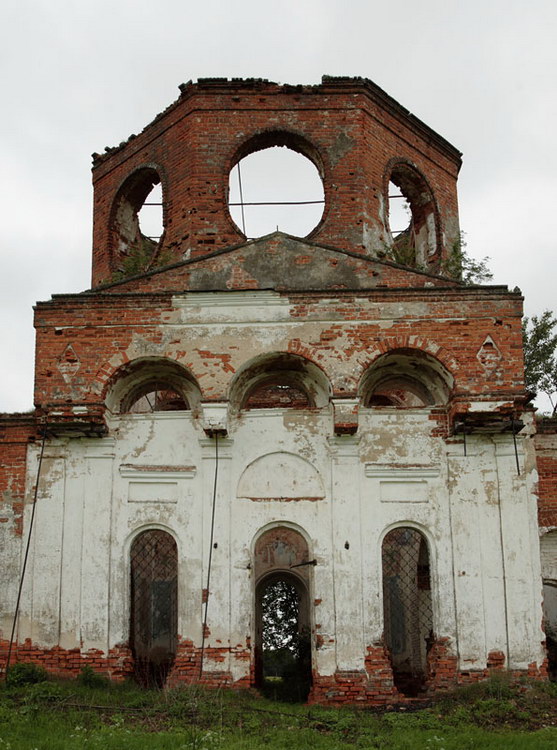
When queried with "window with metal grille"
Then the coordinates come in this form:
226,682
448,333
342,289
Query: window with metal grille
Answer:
153,615
407,608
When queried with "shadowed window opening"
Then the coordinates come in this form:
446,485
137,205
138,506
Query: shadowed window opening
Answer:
275,189
406,378
407,608
153,615
273,395
411,218
156,397
137,223
400,392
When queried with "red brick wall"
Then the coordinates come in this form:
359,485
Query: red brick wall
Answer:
15,434
546,456
452,328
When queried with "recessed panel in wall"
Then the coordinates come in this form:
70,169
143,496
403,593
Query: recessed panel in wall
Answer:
152,492
403,492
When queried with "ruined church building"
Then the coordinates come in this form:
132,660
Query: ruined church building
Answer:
337,413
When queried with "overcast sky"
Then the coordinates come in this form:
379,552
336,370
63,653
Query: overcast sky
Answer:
77,76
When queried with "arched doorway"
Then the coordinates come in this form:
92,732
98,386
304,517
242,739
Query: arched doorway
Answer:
283,630
407,607
153,606
548,550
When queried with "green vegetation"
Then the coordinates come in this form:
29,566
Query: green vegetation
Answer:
539,336
144,257
457,265
56,715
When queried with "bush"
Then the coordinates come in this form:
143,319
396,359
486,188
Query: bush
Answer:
89,678
25,673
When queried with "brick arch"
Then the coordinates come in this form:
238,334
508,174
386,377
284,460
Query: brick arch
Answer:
118,380
293,368
419,343
417,189
399,353
133,189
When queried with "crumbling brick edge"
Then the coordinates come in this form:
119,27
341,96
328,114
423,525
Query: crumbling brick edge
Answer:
372,686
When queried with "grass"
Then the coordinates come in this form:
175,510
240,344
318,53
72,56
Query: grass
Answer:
55,715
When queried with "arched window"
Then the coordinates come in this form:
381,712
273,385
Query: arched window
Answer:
153,606
412,217
279,380
136,224
277,393
156,396
407,607
150,385
406,378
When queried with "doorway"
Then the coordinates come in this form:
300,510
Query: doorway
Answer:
282,616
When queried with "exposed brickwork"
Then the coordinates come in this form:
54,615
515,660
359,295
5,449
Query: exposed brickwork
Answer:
372,686
442,666
102,328
349,127
186,668
117,664
15,434
546,457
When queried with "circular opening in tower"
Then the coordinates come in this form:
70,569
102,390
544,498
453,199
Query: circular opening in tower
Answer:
275,189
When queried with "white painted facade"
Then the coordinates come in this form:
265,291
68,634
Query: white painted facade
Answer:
279,467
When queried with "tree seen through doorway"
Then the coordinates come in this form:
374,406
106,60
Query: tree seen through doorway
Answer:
285,642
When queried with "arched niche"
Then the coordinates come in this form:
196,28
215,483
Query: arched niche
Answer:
280,476
152,384
407,607
133,251
405,378
153,605
416,244
282,614
279,380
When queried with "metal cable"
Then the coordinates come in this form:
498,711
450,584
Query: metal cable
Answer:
210,554
16,613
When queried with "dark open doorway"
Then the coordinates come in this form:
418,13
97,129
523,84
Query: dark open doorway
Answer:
282,615
283,638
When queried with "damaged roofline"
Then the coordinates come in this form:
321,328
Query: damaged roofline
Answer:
347,84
